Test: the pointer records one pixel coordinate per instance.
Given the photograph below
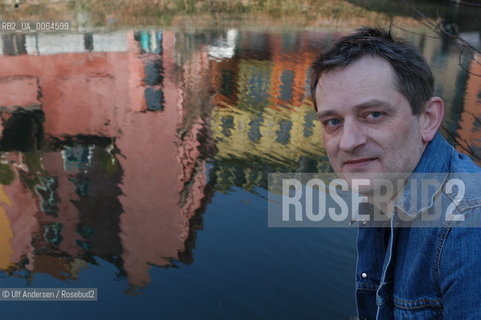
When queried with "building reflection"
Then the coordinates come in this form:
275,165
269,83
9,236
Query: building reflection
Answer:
121,173
264,120
106,136
469,130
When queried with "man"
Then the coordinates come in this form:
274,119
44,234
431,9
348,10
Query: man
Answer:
374,97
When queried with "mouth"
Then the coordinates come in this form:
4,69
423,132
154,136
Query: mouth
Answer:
359,163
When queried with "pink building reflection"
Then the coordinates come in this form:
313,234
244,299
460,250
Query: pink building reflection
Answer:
137,216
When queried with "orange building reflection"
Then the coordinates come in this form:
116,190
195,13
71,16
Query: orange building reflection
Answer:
469,130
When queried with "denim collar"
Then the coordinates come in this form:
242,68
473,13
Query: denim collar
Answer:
434,164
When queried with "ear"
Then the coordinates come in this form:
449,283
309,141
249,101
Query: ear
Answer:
431,118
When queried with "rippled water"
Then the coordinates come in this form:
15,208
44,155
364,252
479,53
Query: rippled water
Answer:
135,161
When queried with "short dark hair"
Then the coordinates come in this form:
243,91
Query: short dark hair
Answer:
414,77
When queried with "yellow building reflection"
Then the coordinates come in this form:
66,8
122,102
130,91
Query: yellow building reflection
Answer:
262,109
6,234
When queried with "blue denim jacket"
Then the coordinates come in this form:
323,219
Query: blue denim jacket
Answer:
424,273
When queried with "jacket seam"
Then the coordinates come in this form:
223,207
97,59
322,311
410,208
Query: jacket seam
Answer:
468,205
438,256
419,307
414,301
417,304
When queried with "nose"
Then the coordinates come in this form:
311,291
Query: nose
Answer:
352,136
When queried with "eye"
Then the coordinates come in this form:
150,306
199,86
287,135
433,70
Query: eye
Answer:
331,122
374,115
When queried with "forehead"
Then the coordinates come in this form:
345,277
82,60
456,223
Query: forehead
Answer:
365,79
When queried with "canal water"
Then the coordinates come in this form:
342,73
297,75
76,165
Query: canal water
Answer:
134,160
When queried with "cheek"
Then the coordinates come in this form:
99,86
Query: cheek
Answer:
400,147
330,146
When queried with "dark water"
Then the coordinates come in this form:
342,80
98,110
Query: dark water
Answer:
135,161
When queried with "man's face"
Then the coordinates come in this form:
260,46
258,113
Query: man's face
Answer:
369,130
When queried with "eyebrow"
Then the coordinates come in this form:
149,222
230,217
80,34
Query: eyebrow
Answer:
361,106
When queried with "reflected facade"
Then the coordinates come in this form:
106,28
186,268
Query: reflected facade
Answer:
117,170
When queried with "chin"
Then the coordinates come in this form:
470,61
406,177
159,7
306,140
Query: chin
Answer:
348,176
371,179
374,182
